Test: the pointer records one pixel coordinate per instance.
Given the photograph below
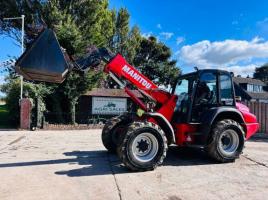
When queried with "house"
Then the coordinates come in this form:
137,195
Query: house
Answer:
104,103
250,89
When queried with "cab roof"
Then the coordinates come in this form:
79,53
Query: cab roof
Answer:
198,72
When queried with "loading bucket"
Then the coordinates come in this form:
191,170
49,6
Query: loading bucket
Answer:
44,60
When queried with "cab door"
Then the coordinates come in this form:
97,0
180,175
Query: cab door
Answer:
184,91
206,94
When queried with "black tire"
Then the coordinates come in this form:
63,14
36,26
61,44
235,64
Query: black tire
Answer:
113,132
156,137
223,145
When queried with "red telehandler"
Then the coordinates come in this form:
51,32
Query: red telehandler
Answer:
200,111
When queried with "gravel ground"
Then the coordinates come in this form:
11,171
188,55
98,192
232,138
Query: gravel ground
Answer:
75,165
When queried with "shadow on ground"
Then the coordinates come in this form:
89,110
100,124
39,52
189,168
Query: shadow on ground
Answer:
185,156
100,162
111,165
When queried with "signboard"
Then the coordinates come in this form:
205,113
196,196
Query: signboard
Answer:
108,105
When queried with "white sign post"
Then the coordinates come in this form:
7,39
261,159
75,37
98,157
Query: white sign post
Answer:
108,105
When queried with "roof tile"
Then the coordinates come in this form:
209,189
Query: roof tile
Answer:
101,92
239,80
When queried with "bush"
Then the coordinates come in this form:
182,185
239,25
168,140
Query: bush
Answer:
12,90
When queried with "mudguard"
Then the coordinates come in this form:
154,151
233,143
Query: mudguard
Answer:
165,125
215,114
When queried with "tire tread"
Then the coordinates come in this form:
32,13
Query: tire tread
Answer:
107,131
122,151
212,146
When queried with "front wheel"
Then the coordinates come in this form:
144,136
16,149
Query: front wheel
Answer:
144,147
227,141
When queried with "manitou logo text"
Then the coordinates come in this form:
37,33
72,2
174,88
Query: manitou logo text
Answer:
136,76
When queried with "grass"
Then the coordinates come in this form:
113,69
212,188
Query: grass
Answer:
4,122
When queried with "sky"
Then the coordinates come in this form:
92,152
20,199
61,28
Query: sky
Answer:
224,34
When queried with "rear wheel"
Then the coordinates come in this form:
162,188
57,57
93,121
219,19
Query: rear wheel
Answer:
144,147
227,141
113,131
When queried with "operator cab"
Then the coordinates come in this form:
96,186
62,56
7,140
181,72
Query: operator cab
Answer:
199,91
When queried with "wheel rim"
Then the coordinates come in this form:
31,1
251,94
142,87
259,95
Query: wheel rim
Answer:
145,147
228,142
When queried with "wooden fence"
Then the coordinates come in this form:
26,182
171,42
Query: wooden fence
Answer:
261,112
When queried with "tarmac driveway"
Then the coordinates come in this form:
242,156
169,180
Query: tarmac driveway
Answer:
75,165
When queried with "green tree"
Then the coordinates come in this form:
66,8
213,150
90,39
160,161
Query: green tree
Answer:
133,44
76,23
95,21
153,59
82,23
69,36
12,90
121,31
15,8
262,73
77,85
129,48
79,23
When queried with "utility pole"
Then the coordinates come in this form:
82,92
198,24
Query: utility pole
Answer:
22,18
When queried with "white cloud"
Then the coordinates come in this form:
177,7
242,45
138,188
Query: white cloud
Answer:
146,35
159,26
2,79
243,70
179,40
238,56
166,35
227,52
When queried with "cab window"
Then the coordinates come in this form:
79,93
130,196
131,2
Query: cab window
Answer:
226,95
183,90
205,95
206,92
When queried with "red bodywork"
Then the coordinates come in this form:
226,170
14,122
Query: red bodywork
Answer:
251,125
119,67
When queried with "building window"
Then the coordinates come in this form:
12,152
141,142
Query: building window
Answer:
258,88
254,88
250,88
